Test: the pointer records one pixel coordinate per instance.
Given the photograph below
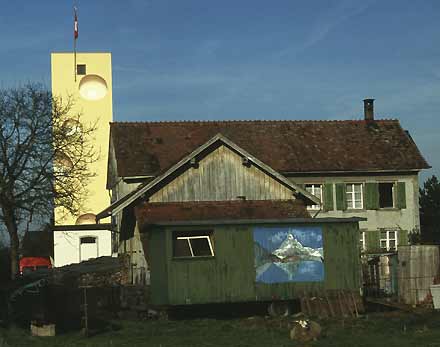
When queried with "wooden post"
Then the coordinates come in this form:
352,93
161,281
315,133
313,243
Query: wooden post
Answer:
355,305
85,318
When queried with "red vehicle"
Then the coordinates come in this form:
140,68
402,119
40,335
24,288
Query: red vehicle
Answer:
28,264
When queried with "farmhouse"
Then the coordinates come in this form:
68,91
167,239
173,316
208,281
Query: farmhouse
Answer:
219,201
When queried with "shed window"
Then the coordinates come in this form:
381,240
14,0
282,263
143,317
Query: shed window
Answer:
354,196
193,244
388,240
386,195
316,190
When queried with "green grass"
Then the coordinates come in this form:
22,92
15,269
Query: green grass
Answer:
386,329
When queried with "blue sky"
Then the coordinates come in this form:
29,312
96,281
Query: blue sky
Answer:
283,59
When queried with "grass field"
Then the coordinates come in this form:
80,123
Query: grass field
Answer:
379,329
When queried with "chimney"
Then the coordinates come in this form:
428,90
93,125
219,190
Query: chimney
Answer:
369,109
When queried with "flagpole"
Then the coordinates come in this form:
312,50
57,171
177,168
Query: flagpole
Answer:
74,58
75,37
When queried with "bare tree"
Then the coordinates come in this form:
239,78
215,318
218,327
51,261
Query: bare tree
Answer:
45,152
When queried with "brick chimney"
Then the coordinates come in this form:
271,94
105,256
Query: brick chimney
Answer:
369,109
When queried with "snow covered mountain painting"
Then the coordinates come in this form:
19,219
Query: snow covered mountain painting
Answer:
288,254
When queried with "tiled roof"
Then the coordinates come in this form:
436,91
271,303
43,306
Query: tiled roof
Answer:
150,213
287,146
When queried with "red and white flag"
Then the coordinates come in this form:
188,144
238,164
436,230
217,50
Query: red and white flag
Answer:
75,25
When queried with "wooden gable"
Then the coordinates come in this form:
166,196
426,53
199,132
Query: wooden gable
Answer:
221,175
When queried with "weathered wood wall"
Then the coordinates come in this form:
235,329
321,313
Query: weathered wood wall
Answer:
418,266
222,176
230,275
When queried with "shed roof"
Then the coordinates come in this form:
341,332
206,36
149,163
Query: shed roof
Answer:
150,148
152,213
206,147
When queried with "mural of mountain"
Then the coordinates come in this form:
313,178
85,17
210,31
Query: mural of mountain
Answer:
263,256
285,255
292,249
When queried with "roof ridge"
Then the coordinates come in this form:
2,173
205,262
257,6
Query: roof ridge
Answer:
263,121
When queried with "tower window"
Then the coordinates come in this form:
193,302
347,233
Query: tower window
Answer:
81,69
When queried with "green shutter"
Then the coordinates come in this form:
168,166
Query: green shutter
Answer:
372,240
328,196
341,202
402,238
401,195
371,196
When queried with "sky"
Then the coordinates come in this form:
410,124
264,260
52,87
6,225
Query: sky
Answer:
212,60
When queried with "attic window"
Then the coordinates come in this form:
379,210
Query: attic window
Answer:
193,244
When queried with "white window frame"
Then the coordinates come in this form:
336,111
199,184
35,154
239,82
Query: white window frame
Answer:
314,186
388,239
362,240
189,238
353,195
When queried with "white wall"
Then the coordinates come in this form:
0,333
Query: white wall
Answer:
67,245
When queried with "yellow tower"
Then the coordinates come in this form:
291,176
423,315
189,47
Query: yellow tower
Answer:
92,93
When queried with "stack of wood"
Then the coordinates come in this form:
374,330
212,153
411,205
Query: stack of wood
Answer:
334,303
99,272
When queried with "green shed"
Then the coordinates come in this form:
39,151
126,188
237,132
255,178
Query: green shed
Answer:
231,260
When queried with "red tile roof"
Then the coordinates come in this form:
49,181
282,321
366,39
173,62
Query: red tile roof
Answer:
287,146
150,213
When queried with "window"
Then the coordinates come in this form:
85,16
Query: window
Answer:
388,240
362,241
316,190
193,244
386,195
354,196
80,69
88,239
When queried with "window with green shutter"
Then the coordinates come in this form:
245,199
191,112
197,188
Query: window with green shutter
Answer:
354,196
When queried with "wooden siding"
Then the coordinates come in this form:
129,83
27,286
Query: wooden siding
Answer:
222,176
417,268
230,275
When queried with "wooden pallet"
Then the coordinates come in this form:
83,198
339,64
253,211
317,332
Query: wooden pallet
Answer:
335,303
